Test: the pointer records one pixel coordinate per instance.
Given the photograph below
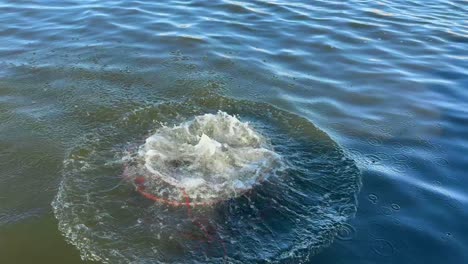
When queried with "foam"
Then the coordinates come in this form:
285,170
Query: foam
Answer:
213,156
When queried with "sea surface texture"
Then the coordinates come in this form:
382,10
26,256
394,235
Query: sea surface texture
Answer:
342,133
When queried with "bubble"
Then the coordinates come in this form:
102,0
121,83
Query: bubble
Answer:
373,198
395,207
346,232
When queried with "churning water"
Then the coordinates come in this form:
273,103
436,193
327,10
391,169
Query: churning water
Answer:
211,179
213,157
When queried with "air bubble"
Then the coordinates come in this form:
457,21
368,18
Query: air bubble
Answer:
373,198
346,232
395,207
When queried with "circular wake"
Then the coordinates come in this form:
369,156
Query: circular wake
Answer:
228,182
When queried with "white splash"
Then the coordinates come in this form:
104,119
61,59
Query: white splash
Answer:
214,156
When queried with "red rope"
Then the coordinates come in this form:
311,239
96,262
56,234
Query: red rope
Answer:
140,186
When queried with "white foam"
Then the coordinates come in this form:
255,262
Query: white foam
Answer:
212,156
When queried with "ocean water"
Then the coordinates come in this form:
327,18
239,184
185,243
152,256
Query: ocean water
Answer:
365,102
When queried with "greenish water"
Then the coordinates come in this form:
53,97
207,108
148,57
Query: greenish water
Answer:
346,92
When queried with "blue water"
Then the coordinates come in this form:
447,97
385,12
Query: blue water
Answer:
386,80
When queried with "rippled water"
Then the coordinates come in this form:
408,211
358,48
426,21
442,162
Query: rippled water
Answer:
382,81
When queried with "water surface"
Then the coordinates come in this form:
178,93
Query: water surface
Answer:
385,80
